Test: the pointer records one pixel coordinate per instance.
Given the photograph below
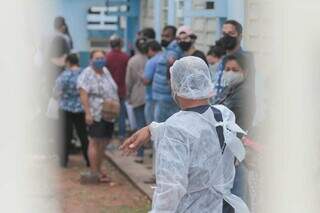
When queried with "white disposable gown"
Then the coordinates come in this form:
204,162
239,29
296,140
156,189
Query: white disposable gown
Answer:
193,176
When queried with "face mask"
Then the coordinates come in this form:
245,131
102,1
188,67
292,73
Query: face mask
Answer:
230,78
141,44
229,42
164,43
185,46
99,64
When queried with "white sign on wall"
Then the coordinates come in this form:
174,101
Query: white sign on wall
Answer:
97,18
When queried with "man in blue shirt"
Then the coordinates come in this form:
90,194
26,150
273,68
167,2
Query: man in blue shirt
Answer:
161,91
154,54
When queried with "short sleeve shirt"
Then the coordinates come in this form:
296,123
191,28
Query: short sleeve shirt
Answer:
99,88
117,64
149,71
66,88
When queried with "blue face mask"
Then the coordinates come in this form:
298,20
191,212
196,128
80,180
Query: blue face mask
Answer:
99,64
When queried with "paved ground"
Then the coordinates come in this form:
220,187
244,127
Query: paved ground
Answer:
128,167
127,193
118,197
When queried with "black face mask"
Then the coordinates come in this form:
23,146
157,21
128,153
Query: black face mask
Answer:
229,42
185,46
164,43
141,45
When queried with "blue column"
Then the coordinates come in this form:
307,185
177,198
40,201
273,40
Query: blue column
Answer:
171,12
219,25
236,9
132,24
157,17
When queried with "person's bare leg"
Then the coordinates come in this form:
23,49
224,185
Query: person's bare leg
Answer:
94,155
103,176
102,146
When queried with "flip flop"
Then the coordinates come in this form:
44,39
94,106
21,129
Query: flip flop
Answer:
104,178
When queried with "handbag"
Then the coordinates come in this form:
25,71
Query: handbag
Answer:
53,109
110,109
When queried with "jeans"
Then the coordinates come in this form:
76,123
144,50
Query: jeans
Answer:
240,187
240,184
164,109
149,111
141,122
122,119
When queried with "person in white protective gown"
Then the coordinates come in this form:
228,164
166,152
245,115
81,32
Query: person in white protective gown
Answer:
194,169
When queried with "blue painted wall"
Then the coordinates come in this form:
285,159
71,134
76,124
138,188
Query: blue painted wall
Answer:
75,13
236,10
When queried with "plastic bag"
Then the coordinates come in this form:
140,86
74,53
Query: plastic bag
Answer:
131,117
53,109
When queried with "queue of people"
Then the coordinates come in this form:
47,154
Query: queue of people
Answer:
232,76
170,85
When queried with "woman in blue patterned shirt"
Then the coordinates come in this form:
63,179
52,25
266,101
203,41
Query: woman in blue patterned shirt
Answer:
71,108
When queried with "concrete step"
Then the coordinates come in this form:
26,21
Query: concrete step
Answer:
136,173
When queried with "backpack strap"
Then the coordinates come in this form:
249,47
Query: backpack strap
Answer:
218,116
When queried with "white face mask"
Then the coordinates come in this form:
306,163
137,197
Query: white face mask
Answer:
230,78
213,67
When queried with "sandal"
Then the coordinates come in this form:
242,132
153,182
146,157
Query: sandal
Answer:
104,178
89,178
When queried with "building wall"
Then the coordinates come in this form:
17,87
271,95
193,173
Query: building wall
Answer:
146,13
258,32
236,10
259,38
75,13
204,27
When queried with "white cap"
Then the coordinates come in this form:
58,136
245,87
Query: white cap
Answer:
190,78
114,37
184,29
